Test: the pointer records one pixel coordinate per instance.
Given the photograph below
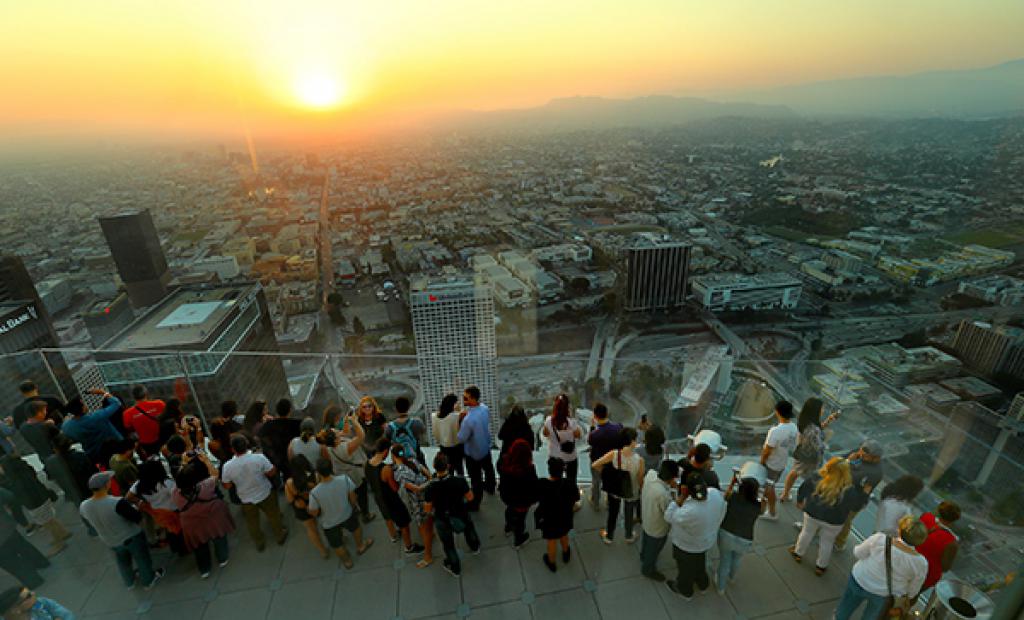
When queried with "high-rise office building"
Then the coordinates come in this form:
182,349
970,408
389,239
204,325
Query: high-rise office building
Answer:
214,341
25,326
657,269
453,322
990,349
135,246
15,282
107,317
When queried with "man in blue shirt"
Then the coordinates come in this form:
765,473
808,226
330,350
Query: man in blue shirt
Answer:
475,436
92,429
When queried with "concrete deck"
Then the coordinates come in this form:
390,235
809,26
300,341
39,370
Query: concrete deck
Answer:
292,581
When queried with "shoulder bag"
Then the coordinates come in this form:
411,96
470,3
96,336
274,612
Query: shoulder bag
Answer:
615,480
896,605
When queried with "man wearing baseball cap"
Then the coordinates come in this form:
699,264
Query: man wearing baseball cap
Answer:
866,470
116,521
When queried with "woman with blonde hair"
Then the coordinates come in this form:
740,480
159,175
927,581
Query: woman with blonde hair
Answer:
373,420
826,498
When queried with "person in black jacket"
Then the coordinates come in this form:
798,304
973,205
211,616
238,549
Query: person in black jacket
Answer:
19,478
516,426
17,555
277,433
517,489
70,469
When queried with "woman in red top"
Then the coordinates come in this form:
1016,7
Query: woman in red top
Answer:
942,544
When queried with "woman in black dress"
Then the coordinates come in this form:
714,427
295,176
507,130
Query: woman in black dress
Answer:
554,512
296,490
382,485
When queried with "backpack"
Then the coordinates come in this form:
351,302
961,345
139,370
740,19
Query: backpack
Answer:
402,434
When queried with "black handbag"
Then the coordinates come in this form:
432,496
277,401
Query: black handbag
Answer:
616,481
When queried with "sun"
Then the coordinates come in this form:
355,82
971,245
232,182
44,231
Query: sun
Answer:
319,91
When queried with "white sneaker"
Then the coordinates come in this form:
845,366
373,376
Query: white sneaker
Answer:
770,517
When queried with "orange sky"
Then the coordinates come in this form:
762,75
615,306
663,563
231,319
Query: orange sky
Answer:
124,67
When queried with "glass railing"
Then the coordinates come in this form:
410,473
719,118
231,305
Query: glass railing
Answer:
962,435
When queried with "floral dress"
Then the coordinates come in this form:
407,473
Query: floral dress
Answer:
413,501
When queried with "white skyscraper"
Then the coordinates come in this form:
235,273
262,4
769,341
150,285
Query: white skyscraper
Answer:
453,322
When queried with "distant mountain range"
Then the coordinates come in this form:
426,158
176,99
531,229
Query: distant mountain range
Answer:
968,93
576,113
971,93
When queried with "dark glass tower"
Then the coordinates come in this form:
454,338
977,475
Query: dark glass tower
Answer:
140,261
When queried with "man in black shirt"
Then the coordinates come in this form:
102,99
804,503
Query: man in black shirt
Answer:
277,433
38,430
699,461
30,392
447,498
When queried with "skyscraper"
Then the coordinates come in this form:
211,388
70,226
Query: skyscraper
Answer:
140,261
216,342
990,349
453,322
657,269
25,326
15,282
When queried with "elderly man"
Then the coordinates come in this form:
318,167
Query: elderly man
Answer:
866,469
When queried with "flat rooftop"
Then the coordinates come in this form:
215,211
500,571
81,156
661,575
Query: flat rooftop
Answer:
188,316
744,280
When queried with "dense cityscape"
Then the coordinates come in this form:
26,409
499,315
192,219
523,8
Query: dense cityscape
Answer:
688,277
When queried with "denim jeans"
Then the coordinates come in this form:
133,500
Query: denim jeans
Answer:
447,536
134,550
202,553
650,549
852,598
731,549
481,478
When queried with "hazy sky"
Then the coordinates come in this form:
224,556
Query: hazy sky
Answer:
121,67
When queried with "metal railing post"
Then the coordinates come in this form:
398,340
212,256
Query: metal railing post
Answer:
53,376
195,395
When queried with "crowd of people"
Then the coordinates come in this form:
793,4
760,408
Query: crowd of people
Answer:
151,475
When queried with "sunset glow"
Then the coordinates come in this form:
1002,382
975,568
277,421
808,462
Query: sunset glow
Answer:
191,65
318,91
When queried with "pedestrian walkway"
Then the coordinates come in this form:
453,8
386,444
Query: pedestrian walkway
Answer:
292,581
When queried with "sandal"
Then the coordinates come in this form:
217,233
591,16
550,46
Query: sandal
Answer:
366,545
819,571
796,556
424,563
347,563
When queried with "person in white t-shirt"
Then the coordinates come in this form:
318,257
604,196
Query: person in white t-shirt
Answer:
249,474
875,578
778,445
